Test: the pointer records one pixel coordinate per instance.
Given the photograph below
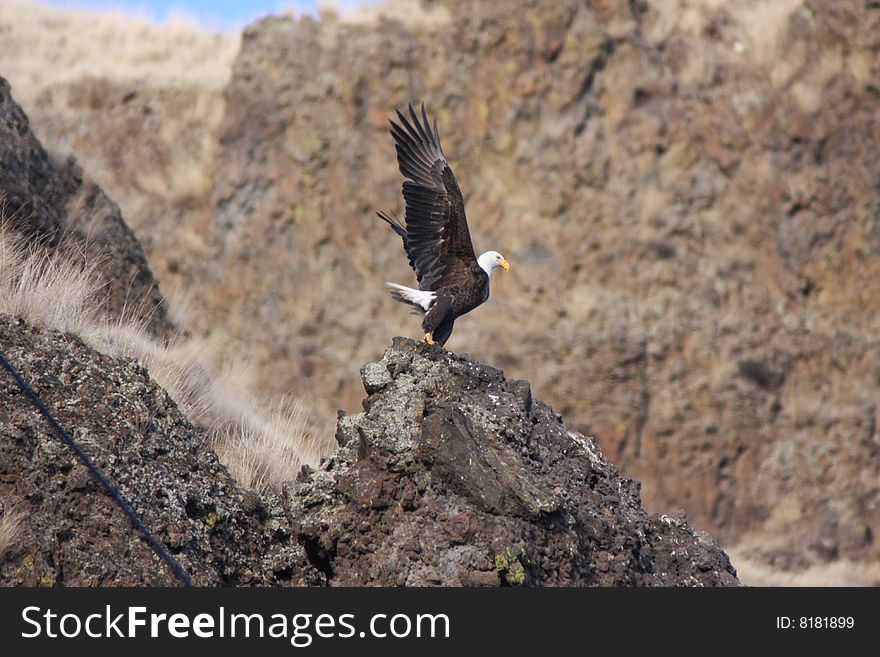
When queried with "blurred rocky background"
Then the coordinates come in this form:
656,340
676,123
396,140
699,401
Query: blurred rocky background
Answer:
687,191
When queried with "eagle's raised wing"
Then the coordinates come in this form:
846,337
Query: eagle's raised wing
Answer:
392,220
437,238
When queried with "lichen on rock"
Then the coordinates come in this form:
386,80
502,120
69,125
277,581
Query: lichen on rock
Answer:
455,475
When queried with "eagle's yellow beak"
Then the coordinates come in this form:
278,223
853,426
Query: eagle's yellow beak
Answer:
505,265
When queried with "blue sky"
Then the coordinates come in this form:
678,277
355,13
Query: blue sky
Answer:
225,14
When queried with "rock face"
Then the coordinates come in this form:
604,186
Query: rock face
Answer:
52,205
454,475
687,194
71,532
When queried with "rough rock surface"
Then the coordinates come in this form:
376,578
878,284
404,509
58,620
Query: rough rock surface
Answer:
71,532
53,205
454,475
687,194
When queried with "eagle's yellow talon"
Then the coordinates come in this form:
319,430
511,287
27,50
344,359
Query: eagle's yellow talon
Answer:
429,338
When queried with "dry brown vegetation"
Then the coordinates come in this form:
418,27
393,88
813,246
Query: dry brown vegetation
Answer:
262,444
10,526
139,105
53,292
408,12
755,571
45,47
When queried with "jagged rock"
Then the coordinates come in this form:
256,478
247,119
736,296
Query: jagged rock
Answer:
679,195
71,532
454,475
53,205
32,199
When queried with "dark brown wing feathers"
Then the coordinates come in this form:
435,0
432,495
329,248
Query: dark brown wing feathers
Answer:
397,227
437,240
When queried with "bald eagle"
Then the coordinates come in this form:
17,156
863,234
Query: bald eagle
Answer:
452,280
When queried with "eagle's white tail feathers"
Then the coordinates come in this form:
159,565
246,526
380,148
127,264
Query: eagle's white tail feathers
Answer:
420,300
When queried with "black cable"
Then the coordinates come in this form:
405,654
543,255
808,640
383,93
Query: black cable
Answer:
112,491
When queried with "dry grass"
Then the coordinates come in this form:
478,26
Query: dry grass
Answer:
110,44
53,292
260,452
409,12
10,527
262,444
838,573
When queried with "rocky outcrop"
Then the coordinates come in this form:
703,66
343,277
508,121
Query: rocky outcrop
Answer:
454,475
70,531
53,205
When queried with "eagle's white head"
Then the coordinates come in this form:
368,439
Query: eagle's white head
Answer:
492,259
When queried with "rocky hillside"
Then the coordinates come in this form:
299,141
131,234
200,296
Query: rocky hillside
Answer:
53,205
686,191
69,531
453,476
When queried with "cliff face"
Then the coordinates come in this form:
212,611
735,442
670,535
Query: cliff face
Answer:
51,205
687,196
453,475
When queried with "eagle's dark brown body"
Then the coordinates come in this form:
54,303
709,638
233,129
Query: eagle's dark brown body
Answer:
435,236
451,304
